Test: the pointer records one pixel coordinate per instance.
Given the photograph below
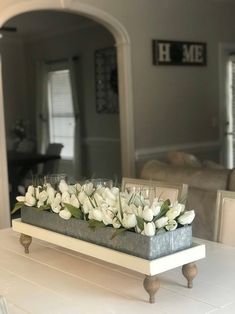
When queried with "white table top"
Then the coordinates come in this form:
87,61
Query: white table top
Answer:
53,280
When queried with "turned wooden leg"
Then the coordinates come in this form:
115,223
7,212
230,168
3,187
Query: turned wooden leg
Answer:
190,272
25,240
151,285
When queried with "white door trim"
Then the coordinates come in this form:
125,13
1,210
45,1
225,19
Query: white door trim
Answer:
124,79
225,49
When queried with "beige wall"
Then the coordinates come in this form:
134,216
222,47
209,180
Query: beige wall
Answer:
172,105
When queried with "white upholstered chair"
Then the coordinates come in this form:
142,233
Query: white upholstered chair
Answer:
225,217
172,191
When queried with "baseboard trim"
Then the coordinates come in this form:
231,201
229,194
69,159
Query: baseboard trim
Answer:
154,152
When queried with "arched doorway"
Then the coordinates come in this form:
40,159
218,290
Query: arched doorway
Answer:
124,77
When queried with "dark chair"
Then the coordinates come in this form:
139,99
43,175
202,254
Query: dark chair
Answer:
52,166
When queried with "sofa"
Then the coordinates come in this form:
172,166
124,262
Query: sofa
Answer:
203,183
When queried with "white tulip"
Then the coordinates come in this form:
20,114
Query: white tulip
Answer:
58,197
173,213
65,198
107,217
72,189
63,186
96,214
31,189
56,207
172,225
78,187
87,206
74,201
129,221
65,214
149,229
51,192
98,199
30,200
115,191
116,223
187,217
42,196
147,214
38,189
20,199
88,188
181,207
82,197
40,204
100,189
161,222
156,207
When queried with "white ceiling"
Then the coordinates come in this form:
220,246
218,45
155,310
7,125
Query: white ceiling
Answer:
38,23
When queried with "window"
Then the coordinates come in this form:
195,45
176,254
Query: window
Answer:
61,111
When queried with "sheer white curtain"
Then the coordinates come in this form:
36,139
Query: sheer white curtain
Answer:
42,107
74,68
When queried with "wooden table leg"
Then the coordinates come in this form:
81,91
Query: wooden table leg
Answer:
25,240
151,285
190,272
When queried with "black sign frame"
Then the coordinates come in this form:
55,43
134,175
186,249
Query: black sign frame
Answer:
179,53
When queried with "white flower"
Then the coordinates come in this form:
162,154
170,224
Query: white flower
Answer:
38,189
88,188
30,200
58,197
96,214
39,204
115,191
65,198
109,197
156,207
72,189
20,198
149,229
51,192
63,186
42,196
78,187
173,212
87,206
98,199
65,214
147,214
56,207
116,223
107,217
30,189
82,197
161,222
129,221
181,207
187,217
74,201
172,225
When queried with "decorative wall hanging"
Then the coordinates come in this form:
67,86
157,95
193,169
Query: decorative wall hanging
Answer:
167,52
106,80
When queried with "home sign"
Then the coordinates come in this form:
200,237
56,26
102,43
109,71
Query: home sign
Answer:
167,52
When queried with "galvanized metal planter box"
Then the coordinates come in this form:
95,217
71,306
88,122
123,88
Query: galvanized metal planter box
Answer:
127,242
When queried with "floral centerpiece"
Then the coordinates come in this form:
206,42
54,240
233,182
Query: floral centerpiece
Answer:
107,207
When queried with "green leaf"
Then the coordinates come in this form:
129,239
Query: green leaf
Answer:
117,232
93,224
75,212
140,222
164,209
18,205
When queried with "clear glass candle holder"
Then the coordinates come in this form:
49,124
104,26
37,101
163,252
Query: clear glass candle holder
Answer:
104,182
54,179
